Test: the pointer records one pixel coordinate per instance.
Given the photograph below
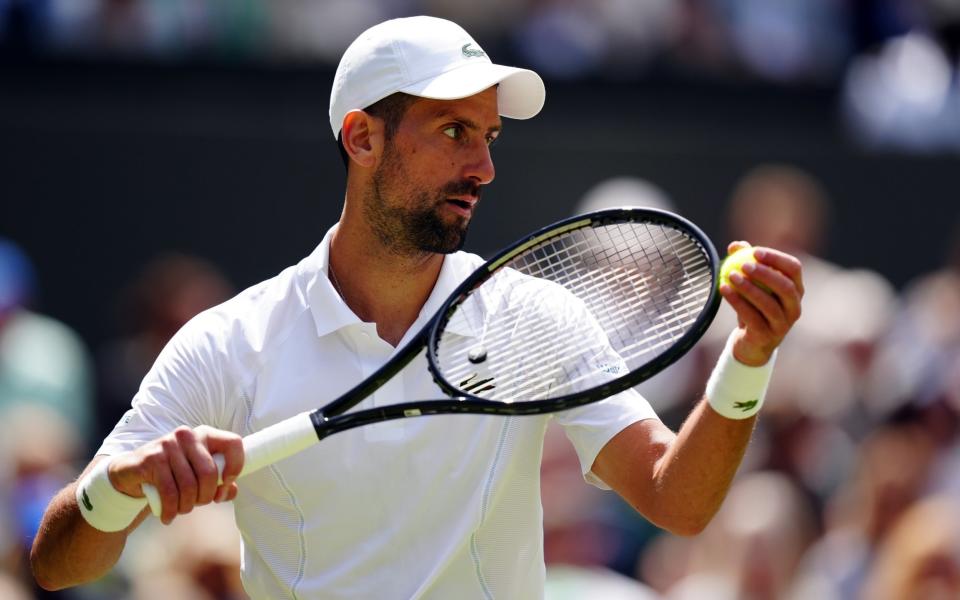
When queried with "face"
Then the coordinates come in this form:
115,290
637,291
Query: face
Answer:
431,173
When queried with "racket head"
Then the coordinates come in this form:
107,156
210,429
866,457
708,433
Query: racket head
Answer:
576,312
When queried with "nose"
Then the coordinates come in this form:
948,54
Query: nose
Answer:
480,168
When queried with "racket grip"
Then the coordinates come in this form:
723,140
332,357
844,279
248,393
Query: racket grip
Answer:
260,449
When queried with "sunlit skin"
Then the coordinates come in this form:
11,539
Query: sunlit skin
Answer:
414,204
408,202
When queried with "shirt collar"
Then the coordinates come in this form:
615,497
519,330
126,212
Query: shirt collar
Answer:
331,313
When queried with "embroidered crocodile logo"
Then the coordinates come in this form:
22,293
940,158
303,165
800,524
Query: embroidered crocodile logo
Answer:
472,52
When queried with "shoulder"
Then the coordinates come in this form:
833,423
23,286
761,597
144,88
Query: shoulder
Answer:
247,324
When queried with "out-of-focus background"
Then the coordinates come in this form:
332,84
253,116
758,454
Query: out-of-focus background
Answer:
158,155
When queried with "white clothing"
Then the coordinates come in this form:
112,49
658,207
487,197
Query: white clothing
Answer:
434,507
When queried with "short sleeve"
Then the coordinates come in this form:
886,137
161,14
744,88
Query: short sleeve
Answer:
590,427
185,386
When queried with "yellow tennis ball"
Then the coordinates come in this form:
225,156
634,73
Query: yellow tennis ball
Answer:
735,262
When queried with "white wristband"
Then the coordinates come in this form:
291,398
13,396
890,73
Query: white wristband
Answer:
735,390
102,505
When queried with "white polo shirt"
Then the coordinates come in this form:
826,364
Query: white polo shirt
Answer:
434,507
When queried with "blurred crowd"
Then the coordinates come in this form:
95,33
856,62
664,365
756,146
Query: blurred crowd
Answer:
895,60
784,40
850,489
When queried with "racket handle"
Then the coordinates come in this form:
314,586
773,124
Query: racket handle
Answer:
260,449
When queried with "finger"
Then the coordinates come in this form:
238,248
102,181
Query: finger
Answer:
167,489
230,492
749,317
767,305
183,474
230,446
783,262
204,469
736,245
781,286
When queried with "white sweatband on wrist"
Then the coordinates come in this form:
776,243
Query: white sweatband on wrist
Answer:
735,390
102,505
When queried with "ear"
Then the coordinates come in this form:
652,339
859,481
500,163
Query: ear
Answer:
362,137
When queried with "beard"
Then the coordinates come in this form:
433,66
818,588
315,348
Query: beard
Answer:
408,219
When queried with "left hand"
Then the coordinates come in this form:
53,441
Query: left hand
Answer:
764,317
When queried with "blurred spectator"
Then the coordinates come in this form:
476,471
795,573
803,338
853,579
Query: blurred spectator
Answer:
786,40
487,20
894,463
749,551
572,39
168,292
919,360
906,95
197,557
920,558
45,410
11,589
783,40
304,28
623,191
42,361
562,40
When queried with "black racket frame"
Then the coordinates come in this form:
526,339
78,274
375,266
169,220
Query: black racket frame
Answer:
333,417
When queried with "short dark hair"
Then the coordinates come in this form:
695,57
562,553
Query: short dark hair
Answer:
391,109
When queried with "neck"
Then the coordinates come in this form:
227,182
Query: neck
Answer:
379,285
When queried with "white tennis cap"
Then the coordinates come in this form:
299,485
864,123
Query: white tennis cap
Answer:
431,58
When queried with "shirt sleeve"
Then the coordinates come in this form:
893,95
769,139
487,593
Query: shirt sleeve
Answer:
185,386
590,427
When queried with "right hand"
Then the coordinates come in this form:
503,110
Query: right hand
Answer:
180,465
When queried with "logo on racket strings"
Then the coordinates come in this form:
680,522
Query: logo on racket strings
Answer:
475,384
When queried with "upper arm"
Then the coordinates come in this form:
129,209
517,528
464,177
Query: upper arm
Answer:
628,462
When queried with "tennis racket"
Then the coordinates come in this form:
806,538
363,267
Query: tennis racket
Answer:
571,314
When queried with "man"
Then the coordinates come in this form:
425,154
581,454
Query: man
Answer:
437,507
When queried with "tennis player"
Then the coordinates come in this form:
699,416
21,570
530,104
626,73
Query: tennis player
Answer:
438,507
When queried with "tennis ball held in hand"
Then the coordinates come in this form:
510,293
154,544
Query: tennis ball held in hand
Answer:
735,262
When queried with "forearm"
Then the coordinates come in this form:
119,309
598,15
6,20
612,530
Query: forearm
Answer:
67,551
693,476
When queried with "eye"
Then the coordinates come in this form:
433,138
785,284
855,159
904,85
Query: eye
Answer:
492,138
454,132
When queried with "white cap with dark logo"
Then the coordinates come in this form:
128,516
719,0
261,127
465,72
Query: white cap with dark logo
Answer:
431,58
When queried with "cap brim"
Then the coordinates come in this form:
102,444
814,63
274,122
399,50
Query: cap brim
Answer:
520,96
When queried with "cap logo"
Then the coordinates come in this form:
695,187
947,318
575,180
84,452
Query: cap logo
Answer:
472,52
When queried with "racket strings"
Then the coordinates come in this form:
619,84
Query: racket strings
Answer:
559,340
578,309
623,286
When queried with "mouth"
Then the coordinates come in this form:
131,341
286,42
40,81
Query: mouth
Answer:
462,206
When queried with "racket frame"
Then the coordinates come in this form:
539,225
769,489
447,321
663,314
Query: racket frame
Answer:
331,418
